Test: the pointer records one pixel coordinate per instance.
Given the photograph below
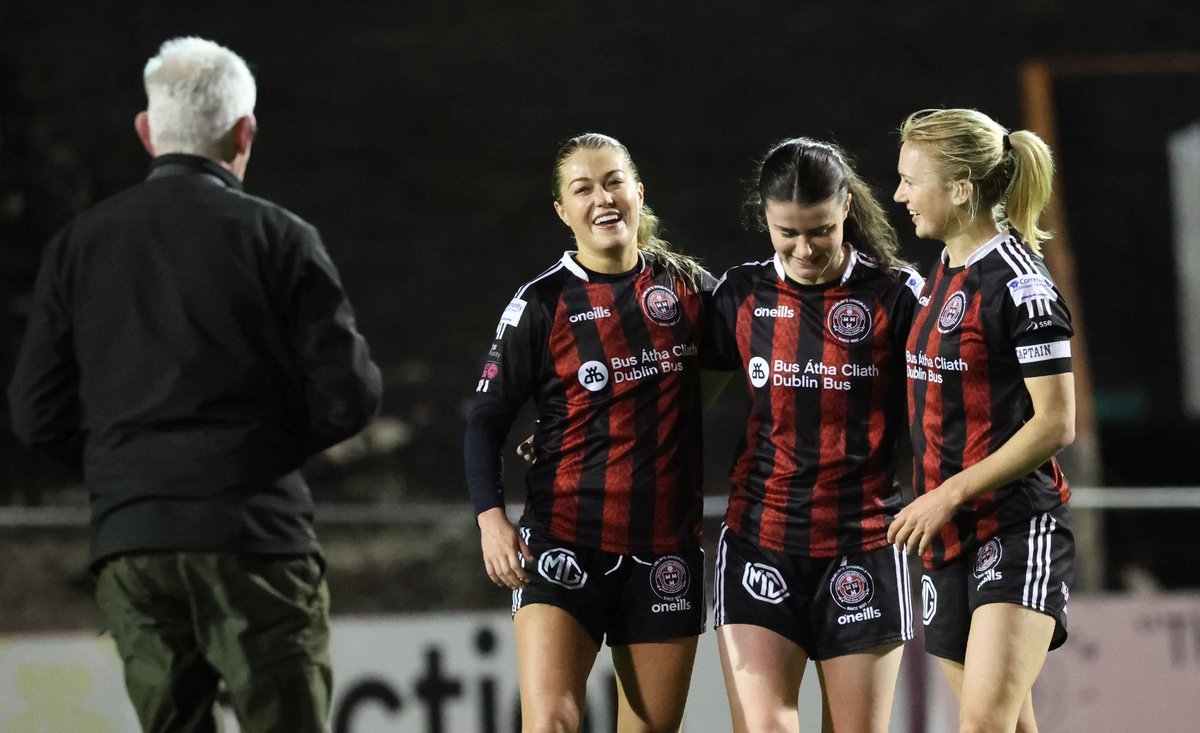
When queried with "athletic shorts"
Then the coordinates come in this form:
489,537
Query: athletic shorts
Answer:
829,606
626,599
1031,565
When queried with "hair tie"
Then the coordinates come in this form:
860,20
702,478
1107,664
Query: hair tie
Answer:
1007,143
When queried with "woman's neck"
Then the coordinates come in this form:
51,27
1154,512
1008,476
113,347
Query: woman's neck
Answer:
611,262
967,240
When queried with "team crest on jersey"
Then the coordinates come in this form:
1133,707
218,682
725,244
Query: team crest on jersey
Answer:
988,557
669,577
561,567
661,305
952,312
490,370
852,587
593,375
758,370
764,583
849,321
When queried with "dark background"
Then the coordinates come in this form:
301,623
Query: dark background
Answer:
419,138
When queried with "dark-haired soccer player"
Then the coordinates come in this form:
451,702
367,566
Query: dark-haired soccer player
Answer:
606,343
804,569
991,400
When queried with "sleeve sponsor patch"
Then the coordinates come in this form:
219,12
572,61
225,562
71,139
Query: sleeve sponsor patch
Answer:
1031,287
1044,352
512,314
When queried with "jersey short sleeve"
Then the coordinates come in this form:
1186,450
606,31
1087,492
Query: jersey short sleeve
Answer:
515,355
721,320
1040,324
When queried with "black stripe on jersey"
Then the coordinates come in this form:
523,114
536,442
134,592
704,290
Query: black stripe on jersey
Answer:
953,432
589,516
857,432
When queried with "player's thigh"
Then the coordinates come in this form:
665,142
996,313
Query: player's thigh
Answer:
1005,652
653,678
859,688
555,654
763,671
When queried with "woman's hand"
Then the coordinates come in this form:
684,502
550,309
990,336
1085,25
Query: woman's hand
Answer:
918,524
504,552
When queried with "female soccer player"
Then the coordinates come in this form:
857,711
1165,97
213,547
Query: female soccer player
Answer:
606,342
804,569
991,400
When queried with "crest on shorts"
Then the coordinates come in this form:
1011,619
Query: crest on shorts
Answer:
988,557
852,587
849,321
669,577
952,313
661,305
561,567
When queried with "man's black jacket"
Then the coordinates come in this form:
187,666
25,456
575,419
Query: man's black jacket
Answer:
189,346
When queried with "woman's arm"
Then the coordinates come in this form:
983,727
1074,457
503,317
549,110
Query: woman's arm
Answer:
1051,429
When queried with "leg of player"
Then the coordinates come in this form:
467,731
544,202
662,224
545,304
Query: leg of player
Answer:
1005,652
653,681
763,671
555,654
953,673
859,688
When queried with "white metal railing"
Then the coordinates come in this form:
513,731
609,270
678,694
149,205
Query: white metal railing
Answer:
1161,498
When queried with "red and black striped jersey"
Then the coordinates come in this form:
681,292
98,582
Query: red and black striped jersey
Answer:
612,364
980,330
825,368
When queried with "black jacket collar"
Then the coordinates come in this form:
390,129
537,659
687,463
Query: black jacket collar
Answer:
181,164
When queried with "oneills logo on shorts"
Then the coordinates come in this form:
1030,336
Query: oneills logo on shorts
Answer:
669,580
559,566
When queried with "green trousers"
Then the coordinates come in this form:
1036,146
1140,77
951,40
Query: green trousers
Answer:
184,621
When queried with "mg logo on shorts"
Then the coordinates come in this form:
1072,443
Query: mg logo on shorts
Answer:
928,600
560,567
764,583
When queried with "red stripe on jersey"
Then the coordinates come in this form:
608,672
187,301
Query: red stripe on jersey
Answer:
977,408
1060,481
735,514
875,476
976,390
618,470
832,456
565,502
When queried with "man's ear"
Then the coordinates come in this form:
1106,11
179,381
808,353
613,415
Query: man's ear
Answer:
141,123
244,131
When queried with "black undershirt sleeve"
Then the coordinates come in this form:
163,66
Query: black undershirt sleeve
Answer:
489,421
